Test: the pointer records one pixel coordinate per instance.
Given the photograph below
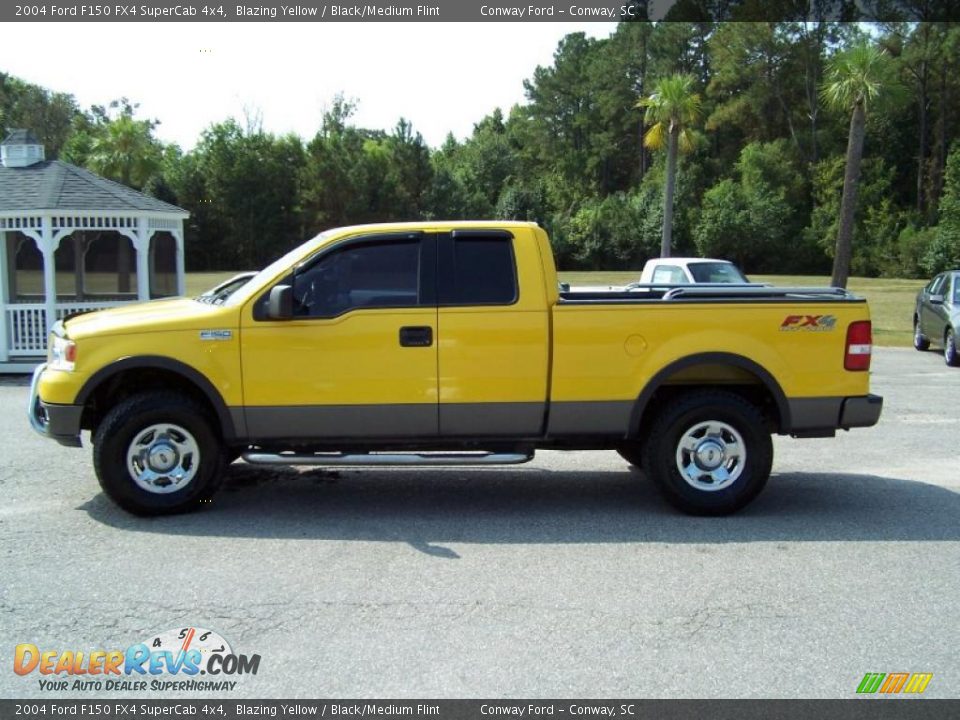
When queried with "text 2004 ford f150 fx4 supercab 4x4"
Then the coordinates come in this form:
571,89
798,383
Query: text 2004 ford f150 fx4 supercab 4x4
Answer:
448,343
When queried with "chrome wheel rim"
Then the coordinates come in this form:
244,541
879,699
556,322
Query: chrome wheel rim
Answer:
711,456
917,335
163,458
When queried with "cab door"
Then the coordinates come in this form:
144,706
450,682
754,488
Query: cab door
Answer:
358,359
494,335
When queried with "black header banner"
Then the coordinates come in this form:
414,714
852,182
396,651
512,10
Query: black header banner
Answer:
479,10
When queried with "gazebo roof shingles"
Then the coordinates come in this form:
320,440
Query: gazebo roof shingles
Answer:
56,185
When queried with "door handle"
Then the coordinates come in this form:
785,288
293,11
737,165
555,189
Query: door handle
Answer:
416,336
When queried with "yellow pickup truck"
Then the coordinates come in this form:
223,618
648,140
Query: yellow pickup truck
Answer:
449,343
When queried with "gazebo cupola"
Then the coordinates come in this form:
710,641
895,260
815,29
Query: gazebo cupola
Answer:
73,241
21,149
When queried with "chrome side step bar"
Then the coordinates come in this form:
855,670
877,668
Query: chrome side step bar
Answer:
440,459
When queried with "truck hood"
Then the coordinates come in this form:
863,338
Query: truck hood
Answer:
154,316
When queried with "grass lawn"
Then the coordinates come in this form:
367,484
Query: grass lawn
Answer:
891,300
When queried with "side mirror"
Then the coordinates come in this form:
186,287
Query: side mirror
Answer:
936,299
280,303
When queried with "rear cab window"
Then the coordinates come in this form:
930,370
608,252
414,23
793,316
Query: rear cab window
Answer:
716,273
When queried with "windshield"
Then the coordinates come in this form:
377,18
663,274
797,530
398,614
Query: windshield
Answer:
256,282
716,272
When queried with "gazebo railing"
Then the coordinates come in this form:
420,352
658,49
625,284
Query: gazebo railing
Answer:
27,324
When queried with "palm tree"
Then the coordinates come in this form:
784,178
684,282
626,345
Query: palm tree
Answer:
855,78
124,150
671,109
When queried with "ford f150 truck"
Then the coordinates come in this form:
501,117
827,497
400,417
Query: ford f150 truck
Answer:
448,343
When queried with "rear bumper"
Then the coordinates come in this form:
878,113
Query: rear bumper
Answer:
57,422
823,416
861,411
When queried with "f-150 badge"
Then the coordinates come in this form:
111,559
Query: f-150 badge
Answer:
216,334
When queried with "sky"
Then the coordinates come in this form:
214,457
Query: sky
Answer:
443,77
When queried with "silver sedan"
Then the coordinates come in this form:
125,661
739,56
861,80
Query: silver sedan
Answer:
936,317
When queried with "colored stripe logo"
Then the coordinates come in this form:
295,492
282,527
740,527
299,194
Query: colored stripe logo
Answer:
894,683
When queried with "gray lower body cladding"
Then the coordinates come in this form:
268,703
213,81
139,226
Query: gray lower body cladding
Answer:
449,420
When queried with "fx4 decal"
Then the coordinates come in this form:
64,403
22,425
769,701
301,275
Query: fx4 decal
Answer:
814,323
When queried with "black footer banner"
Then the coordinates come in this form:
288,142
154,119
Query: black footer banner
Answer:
855,709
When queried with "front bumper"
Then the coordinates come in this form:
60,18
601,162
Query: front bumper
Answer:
58,422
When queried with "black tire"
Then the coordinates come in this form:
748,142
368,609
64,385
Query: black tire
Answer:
128,422
747,458
632,452
919,341
950,355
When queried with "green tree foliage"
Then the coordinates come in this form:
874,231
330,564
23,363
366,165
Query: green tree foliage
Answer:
877,223
944,252
351,175
603,233
756,83
241,190
113,143
50,115
757,218
563,110
125,150
479,168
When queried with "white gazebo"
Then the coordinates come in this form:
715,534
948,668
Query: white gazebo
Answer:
67,239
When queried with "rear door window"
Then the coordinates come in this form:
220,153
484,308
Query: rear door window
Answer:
478,269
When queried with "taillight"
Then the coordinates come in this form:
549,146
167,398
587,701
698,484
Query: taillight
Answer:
859,346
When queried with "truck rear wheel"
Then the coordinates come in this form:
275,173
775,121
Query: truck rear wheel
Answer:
157,453
709,453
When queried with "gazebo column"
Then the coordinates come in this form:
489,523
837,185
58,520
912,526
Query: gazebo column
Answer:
10,257
181,274
142,246
49,251
4,296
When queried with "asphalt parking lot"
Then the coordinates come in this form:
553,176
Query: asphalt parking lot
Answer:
568,577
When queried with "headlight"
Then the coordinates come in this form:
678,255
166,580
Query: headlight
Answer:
63,353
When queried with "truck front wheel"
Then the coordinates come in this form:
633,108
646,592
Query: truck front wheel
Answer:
709,453
157,453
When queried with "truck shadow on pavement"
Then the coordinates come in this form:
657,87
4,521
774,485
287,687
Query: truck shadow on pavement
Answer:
428,509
